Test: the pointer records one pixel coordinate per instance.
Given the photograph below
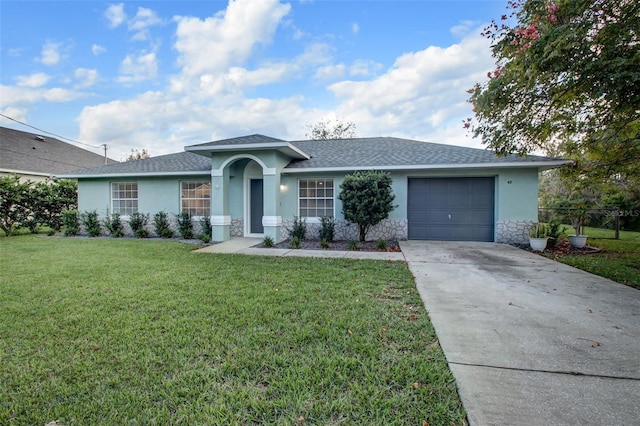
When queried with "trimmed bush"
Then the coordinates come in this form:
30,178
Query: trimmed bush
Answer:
327,229
185,226
206,230
299,229
162,225
70,222
91,223
113,224
138,223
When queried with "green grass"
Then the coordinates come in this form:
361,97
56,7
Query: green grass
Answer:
103,332
619,260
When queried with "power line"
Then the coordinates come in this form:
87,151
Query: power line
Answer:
49,133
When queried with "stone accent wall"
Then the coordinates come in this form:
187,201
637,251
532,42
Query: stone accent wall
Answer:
386,230
513,231
237,227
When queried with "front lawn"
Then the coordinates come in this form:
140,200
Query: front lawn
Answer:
105,331
619,260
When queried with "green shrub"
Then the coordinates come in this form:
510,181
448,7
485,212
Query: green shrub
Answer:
367,199
327,229
114,225
70,222
382,245
51,232
555,230
138,223
32,224
91,223
299,228
267,241
352,244
162,225
295,243
185,226
205,229
324,244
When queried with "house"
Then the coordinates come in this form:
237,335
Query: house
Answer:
255,185
38,158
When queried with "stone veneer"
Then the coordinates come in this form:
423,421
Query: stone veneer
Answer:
387,230
513,231
237,227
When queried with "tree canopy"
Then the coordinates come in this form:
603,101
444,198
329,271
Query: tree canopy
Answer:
328,129
567,82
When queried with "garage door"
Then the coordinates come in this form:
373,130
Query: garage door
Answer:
451,209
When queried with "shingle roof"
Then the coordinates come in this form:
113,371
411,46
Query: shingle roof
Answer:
242,140
380,152
341,154
28,152
179,163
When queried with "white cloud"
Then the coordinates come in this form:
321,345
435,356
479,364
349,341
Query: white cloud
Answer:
355,28
86,77
50,54
115,15
330,72
96,49
33,80
226,39
16,113
364,68
464,28
13,96
144,19
138,68
423,93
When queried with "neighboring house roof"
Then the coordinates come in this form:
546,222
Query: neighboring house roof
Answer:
31,154
381,153
181,163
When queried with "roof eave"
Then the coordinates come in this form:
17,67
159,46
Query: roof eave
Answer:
540,165
286,148
127,175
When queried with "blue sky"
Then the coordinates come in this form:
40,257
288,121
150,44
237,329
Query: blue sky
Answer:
159,75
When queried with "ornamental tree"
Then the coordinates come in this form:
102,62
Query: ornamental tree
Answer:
14,203
367,199
567,80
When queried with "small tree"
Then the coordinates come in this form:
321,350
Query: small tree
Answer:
185,226
367,199
162,225
326,129
14,203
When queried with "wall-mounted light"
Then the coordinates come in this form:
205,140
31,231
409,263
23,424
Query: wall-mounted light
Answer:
283,187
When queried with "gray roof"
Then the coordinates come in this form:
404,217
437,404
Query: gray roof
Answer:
172,164
42,155
382,152
325,155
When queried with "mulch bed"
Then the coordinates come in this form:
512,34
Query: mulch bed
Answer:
562,248
392,245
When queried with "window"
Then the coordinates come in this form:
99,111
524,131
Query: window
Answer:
196,198
315,197
124,198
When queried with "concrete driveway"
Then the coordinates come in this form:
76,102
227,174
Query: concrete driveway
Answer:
531,341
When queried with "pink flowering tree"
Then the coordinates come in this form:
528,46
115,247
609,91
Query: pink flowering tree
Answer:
566,82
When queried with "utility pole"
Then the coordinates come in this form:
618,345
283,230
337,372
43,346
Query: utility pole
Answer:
105,146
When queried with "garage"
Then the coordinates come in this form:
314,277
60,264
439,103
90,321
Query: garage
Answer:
451,209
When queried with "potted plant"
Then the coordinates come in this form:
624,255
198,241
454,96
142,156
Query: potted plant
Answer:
578,216
538,236
555,232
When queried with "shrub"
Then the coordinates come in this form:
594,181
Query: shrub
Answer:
51,232
299,228
295,243
352,244
138,223
539,231
205,229
185,226
70,222
91,223
327,228
382,245
114,225
366,199
162,225
32,224
267,241
324,244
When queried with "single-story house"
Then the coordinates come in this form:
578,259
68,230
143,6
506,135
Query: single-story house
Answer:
256,185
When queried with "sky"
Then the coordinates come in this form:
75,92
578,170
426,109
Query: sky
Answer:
159,75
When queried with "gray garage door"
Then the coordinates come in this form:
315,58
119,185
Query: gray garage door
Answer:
451,209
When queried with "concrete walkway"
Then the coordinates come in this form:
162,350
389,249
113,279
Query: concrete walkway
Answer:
246,246
531,341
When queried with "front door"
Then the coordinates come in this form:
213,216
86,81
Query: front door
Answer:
256,206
